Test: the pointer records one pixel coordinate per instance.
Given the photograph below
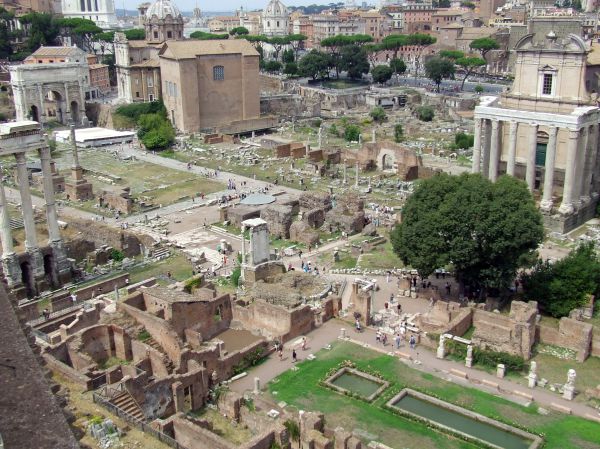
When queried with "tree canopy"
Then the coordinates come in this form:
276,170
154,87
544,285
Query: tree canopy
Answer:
398,66
469,64
239,31
451,54
353,60
315,64
135,34
204,36
564,285
381,73
438,68
482,229
483,45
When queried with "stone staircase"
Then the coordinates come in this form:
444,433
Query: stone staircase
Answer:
126,403
161,253
166,359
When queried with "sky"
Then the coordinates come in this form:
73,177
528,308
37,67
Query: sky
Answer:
220,5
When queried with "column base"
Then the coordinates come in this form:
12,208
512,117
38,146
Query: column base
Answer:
585,200
546,205
12,271
566,209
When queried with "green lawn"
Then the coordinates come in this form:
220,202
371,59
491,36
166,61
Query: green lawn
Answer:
301,389
381,257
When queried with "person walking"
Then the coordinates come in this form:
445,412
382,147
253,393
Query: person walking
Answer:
294,356
377,336
383,338
413,342
281,352
304,343
397,339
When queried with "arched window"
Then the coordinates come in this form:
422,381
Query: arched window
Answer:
218,73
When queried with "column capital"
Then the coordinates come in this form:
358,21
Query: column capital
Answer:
20,157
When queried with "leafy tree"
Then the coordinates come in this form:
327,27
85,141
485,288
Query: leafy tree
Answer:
82,32
41,28
437,69
351,133
425,113
159,138
239,31
398,133
451,54
441,3
291,69
135,34
278,42
381,73
336,44
109,60
354,61
148,122
378,114
315,64
297,42
469,5
479,88
398,66
272,66
463,141
564,285
394,42
6,49
483,45
469,64
287,56
482,228
204,36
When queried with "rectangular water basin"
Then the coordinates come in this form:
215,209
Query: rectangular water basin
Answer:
357,382
473,426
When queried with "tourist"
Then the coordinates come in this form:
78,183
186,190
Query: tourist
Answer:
448,288
398,339
280,353
378,336
412,341
294,356
383,338
399,308
391,298
304,343
402,330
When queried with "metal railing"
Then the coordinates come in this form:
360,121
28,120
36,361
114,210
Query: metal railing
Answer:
58,313
98,399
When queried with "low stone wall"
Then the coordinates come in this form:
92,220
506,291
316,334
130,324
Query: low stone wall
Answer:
58,367
571,334
100,287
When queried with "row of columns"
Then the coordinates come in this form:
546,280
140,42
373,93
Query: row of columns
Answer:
12,270
580,159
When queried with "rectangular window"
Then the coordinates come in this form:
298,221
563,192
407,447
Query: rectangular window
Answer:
150,82
547,84
137,94
218,73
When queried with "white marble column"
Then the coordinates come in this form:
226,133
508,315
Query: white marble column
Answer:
566,206
476,167
51,216
486,148
31,242
546,203
586,165
532,147
243,244
494,150
41,110
512,148
579,167
5,233
68,115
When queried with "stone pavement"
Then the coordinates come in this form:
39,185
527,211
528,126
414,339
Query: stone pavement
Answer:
420,358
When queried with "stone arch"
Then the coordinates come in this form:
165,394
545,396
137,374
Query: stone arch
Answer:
34,113
54,105
50,272
386,159
75,112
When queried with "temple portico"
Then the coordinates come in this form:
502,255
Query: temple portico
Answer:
544,130
39,267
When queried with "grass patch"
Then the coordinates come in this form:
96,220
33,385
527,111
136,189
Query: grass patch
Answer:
381,257
177,264
301,389
112,361
223,427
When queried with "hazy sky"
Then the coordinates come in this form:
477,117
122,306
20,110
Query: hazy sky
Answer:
220,5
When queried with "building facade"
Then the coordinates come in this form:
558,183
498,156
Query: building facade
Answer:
275,20
102,12
545,130
210,84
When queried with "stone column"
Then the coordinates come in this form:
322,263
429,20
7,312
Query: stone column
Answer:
512,148
356,181
51,216
5,233
31,242
494,150
530,173
345,180
41,110
546,203
566,206
476,167
486,148
583,196
243,245
591,163
74,146
67,103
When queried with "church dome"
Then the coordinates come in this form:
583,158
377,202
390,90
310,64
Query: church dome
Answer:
162,9
275,9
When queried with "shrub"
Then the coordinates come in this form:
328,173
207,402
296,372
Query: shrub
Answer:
425,113
351,133
463,141
117,255
486,357
135,110
398,133
144,335
235,276
335,133
378,114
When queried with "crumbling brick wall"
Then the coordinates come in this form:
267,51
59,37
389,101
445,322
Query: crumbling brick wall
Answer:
279,220
571,334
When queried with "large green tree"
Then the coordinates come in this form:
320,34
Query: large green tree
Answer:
315,64
484,45
296,42
438,69
381,73
354,61
82,32
482,229
6,49
469,64
398,66
204,36
564,285
41,29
